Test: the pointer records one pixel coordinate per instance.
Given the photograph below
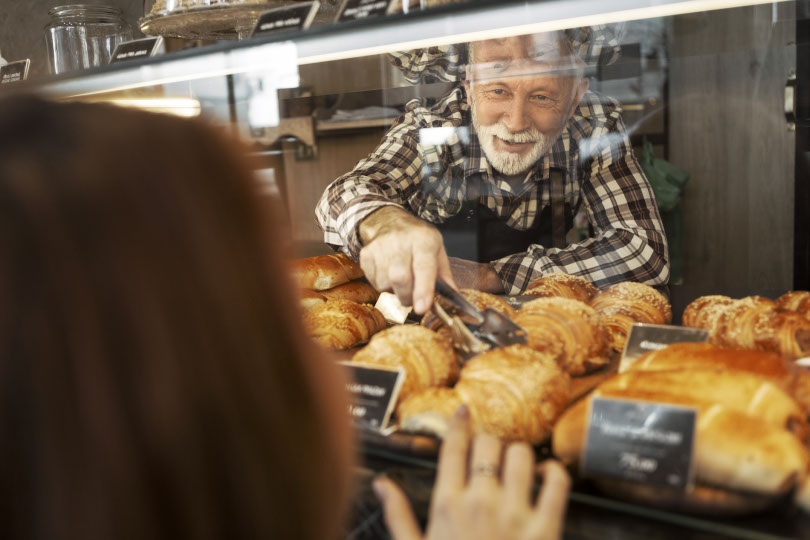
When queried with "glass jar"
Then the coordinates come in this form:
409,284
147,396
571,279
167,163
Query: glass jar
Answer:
82,36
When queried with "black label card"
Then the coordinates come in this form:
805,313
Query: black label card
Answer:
645,338
354,10
139,48
374,391
14,71
640,441
295,17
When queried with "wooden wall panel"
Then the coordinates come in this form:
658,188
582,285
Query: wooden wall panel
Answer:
727,75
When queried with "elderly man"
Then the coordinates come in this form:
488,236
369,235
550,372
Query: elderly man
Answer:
541,149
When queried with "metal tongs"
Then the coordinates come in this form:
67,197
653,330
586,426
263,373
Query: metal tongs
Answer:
480,330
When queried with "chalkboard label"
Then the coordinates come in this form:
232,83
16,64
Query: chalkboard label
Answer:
640,441
295,17
14,71
646,338
374,391
139,48
354,10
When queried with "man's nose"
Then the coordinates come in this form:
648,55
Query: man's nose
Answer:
515,119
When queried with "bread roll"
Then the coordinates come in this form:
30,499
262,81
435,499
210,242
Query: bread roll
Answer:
569,330
687,356
325,271
796,301
514,393
701,312
427,357
736,390
624,304
310,299
757,323
732,450
342,324
356,291
563,285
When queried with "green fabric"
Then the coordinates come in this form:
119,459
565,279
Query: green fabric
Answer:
668,182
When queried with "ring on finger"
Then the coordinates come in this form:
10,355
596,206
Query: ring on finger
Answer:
485,469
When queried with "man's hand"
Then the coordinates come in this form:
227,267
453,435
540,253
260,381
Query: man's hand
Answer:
403,254
475,275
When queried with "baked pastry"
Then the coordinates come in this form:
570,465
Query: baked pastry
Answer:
356,291
513,392
624,304
768,365
702,311
701,386
564,285
342,324
479,299
796,301
325,271
427,357
732,450
757,323
569,330
310,299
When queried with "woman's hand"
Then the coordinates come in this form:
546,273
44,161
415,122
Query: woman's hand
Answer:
490,499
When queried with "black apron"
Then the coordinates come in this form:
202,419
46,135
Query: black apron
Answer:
476,233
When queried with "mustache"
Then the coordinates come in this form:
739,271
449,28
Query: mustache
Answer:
502,132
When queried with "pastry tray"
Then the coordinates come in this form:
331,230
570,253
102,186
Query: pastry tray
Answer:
219,21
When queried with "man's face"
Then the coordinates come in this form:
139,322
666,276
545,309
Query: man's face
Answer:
519,98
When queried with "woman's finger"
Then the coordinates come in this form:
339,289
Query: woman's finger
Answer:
547,521
397,509
518,476
452,472
485,463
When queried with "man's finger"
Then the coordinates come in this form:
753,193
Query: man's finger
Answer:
451,474
444,270
400,276
518,475
398,513
369,268
425,266
550,512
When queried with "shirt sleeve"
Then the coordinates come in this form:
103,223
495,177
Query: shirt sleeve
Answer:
387,177
629,242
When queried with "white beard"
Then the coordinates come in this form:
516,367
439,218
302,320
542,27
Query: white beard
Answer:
505,162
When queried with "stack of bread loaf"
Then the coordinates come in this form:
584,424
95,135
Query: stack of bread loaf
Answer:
751,429
339,314
754,322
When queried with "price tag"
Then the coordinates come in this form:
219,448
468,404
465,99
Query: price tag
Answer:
354,10
640,441
14,71
644,338
374,391
139,48
294,17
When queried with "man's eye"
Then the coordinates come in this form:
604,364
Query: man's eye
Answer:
498,91
540,97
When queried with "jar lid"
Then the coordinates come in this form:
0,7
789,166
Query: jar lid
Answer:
86,11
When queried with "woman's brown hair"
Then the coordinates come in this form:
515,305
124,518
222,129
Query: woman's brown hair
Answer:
154,378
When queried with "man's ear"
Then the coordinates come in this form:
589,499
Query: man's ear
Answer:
583,86
468,86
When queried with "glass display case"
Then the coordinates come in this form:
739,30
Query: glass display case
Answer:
705,101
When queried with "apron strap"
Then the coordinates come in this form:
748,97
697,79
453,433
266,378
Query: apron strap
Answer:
557,192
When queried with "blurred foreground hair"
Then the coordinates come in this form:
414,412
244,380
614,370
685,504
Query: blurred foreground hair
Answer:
154,379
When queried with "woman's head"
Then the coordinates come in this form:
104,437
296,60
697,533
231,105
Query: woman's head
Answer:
154,380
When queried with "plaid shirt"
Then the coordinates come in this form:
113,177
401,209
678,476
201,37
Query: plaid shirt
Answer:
425,159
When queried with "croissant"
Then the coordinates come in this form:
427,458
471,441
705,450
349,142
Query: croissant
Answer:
514,393
797,301
356,291
310,299
342,324
702,311
624,304
569,330
770,366
757,323
563,285
325,271
479,299
427,357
